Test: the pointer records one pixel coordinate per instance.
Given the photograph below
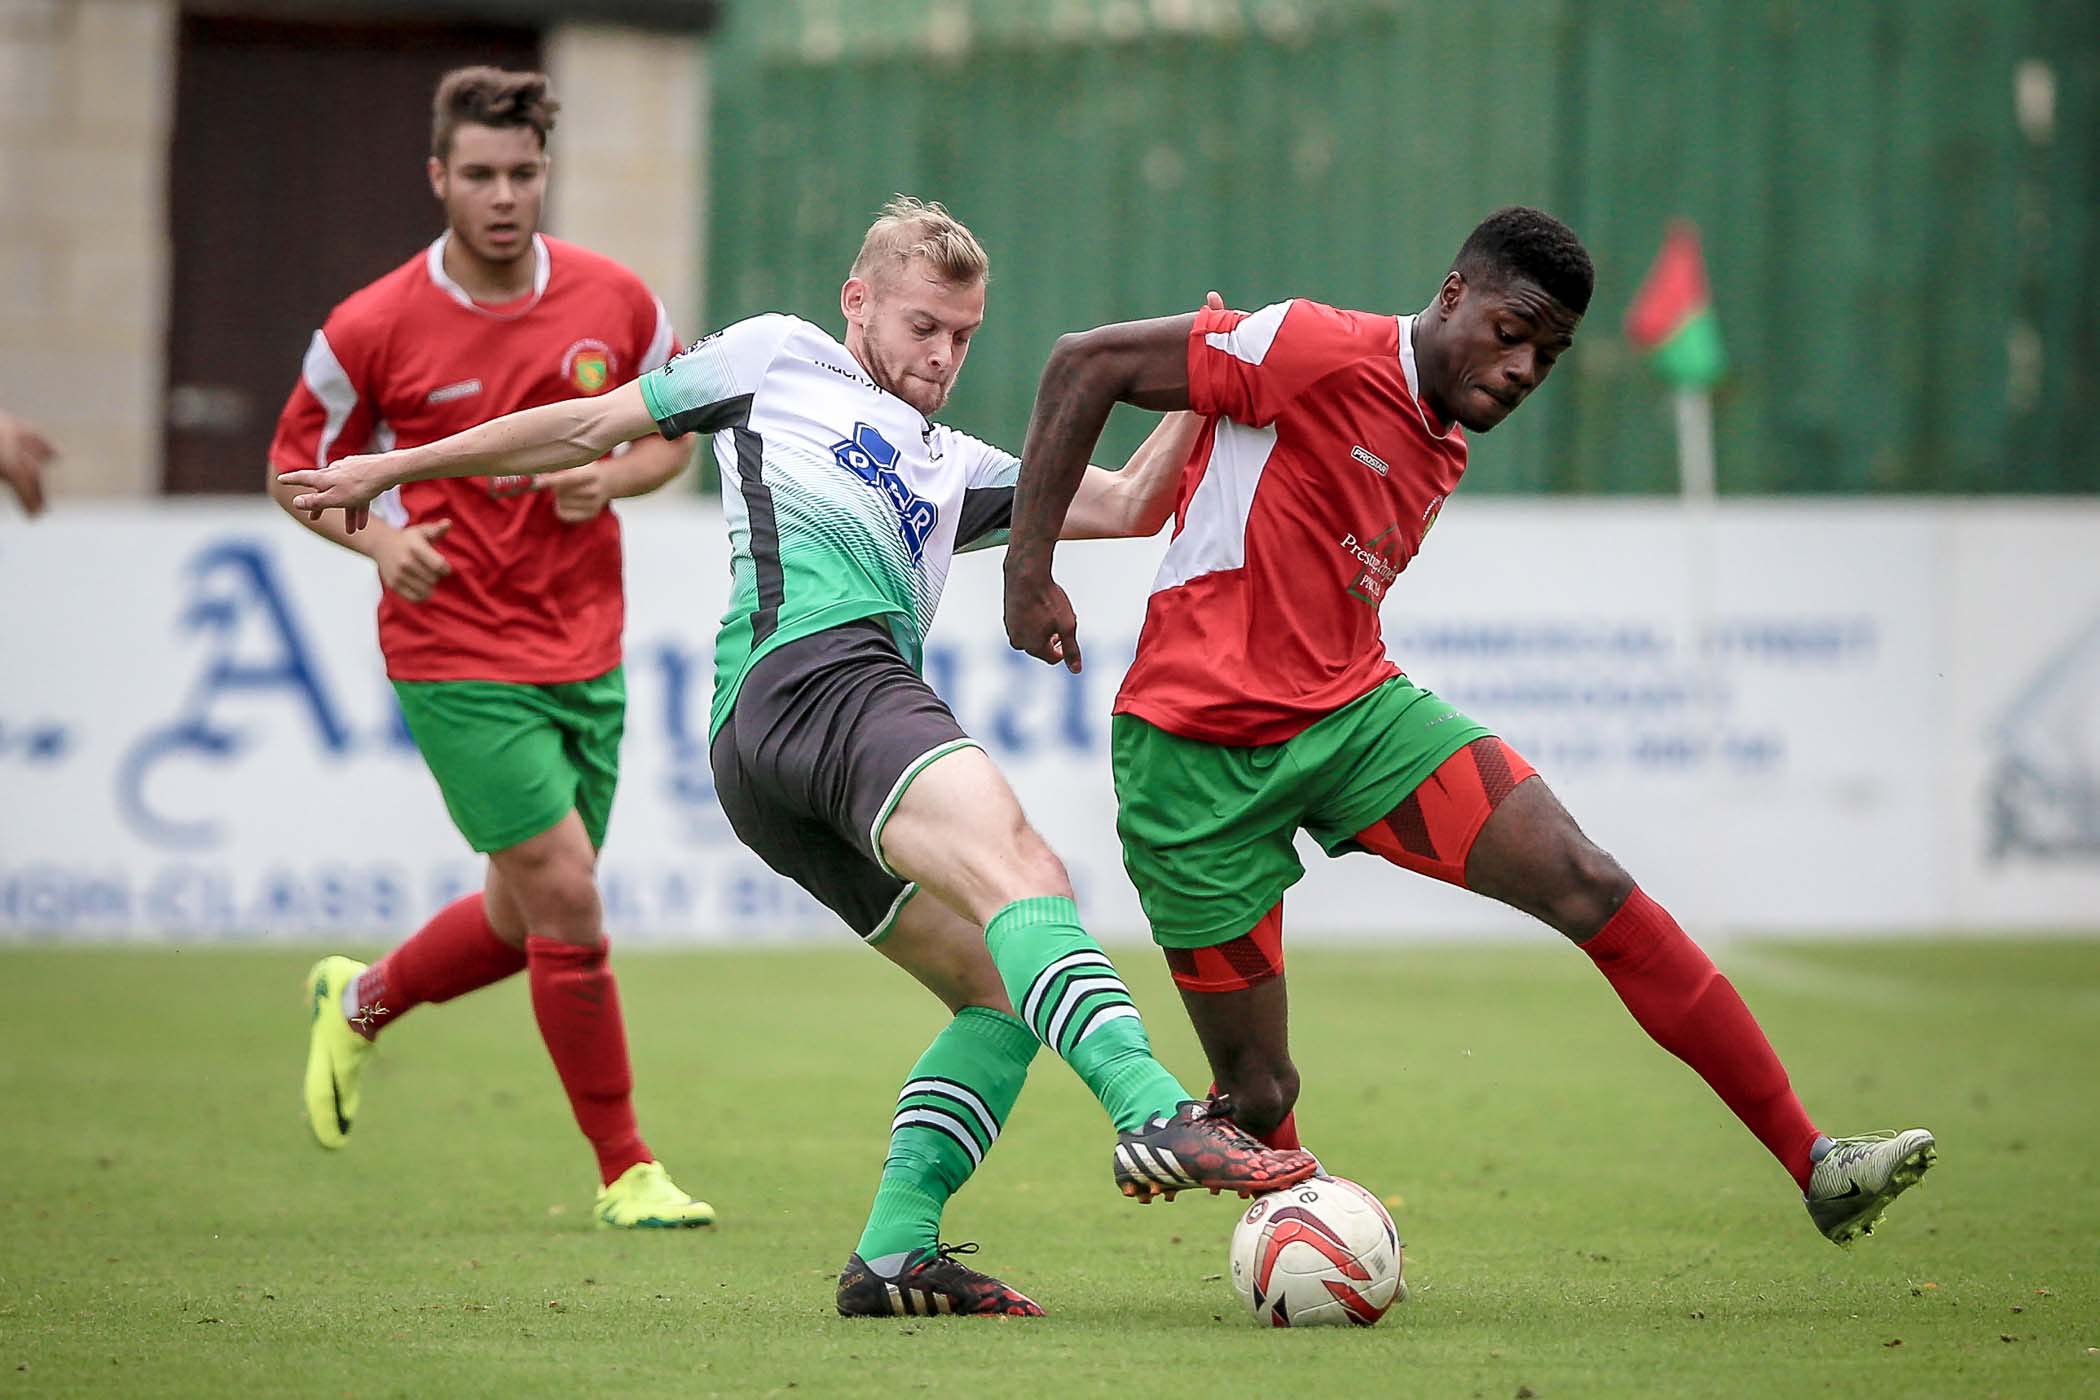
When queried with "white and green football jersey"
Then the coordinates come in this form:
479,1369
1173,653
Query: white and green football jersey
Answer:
843,501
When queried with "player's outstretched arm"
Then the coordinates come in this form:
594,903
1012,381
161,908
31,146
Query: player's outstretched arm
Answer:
1138,362
1136,501
526,443
648,464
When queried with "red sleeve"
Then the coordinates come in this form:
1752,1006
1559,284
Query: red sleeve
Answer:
655,342
1247,366
331,412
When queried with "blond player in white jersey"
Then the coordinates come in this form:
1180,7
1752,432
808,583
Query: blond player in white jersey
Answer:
840,766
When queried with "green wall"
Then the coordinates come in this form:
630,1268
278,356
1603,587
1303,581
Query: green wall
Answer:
1903,270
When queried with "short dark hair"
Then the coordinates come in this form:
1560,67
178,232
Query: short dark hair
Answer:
484,96
1521,242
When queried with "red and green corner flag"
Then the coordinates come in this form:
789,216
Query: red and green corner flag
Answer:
1672,316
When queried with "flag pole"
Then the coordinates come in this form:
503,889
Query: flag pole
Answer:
1696,476
1671,321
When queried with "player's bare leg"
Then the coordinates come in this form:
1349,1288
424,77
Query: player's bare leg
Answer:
958,830
548,884
945,953
1531,855
1246,1038
1236,1000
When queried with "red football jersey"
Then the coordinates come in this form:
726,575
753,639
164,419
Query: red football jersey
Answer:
412,358
1306,495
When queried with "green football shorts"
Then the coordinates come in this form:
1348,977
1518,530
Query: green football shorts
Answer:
1208,829
512,759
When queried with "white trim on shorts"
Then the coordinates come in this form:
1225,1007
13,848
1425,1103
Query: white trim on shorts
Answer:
888,925
889,804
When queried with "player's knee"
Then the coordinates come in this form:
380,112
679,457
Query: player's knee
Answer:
1043,864
560,901
1590,889
1027,865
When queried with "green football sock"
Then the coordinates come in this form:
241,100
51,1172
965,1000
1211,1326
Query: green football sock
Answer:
1068,992
948,1117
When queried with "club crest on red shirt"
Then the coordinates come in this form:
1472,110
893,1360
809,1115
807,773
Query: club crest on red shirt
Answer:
588,364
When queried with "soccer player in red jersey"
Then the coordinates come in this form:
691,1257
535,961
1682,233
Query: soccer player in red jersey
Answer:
1262,701
500,612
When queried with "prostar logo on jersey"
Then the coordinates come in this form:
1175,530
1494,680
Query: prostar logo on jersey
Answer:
1379,568
464,389
869,456
588,364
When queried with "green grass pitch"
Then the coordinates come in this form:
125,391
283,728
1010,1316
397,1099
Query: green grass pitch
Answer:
1582,1218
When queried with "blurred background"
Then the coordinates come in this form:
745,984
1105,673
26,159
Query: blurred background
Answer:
1839,674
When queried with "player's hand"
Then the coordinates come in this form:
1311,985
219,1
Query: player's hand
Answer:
24,453
1040,621
1213,302
349,484
408,560
579,492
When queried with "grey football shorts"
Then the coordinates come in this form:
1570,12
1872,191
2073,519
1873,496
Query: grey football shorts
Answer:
826,733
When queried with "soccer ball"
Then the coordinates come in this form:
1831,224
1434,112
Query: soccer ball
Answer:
1322,1253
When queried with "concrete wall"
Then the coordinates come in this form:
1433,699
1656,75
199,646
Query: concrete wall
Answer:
86,96
631,152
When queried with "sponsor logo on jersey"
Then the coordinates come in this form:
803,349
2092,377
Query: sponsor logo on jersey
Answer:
465,389
842,372
1365,456
1379,567
869,456
588,364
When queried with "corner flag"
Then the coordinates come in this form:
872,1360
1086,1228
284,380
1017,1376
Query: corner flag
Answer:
1672,316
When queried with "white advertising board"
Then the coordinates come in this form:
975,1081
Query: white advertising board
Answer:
1782,717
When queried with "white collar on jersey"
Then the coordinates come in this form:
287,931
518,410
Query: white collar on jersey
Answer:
434,259
1414,382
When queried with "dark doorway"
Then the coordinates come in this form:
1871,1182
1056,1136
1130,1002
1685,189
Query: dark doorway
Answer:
296,177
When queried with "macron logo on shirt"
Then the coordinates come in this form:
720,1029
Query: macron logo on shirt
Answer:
466,388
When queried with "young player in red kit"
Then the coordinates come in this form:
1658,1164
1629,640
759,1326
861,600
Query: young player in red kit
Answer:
500,613
1262,701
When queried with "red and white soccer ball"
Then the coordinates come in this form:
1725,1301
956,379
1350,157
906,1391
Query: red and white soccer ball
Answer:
1323,1253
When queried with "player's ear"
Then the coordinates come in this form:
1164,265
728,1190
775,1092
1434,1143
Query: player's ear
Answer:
854,298
435,169
1452,292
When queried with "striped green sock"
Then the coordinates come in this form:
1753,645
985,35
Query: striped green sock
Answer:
948,1117
1068,992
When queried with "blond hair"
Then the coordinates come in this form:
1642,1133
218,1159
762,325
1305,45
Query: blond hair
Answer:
910,228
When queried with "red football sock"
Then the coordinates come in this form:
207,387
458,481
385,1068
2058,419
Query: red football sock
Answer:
1283,1137
1691,1010
455,953
577,1003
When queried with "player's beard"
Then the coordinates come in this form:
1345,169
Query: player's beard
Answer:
883,372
